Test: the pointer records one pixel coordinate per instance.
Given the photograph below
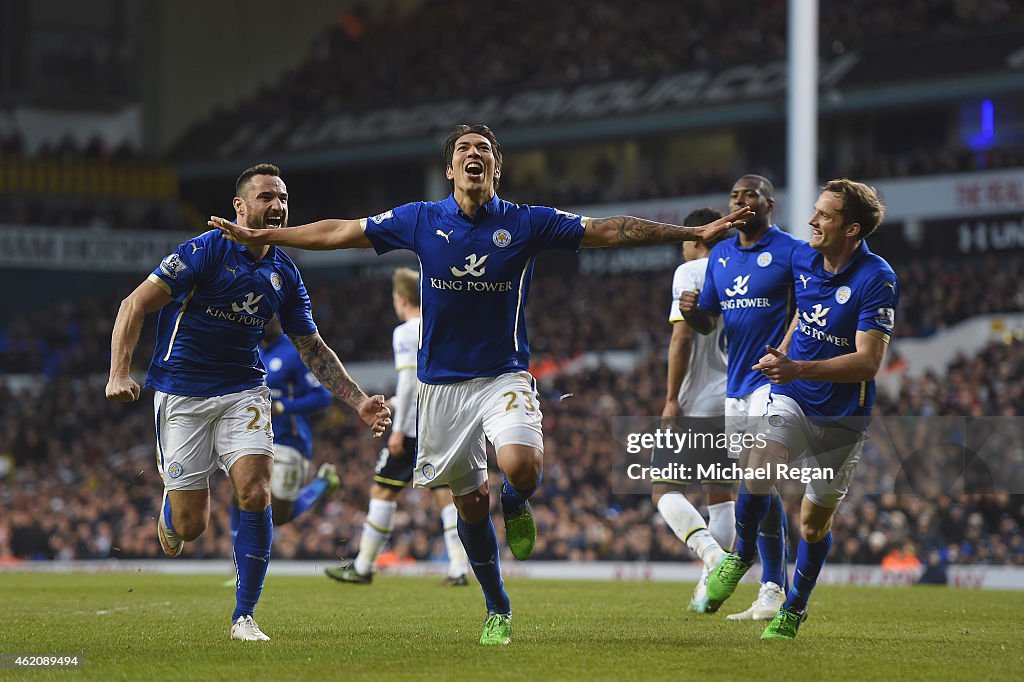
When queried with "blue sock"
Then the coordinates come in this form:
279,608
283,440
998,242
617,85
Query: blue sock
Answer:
482,548
252,556
809,561
167,513
513,499
235,514
771,544
750,511
309,496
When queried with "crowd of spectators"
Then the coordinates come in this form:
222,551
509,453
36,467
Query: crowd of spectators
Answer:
84,482
614,312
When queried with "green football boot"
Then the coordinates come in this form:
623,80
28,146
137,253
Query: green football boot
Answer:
497,629
784,625
521,533
723,580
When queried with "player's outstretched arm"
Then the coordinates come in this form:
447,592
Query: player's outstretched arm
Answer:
327,368
323,235
626,230
147,298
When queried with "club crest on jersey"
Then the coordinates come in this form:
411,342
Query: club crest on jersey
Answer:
174,470
428,471
842,295
275,281
381,217
764,260
501,238
776,420
275,364
172,266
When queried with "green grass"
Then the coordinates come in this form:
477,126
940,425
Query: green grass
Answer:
145,626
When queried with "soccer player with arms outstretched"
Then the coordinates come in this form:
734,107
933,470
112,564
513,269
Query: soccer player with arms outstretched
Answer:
212,409
822,391
393,473
476,257
749,284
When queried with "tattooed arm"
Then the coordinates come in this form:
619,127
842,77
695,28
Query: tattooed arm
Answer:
327,368
630,231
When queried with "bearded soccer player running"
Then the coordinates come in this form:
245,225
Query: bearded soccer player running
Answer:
212,407
823,391
476,257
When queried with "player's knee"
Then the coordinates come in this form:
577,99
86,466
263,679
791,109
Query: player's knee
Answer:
523,468
813,532
189,526
254,496
474,507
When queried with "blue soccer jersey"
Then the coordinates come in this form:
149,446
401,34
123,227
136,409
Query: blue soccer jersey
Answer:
295,387
752,289
207,339
833,308
474,279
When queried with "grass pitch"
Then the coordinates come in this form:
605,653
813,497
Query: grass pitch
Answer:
154,627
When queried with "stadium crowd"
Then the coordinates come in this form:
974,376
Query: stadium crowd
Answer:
78,478
71,339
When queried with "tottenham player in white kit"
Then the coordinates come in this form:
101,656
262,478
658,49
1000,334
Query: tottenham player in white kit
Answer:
393,473
476,257
212,408
695,400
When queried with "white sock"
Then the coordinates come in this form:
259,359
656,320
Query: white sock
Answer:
722,524
457,559
380,521
688,525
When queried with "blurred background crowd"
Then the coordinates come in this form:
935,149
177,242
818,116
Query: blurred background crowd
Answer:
918,90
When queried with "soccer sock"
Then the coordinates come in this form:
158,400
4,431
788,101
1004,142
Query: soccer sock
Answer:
235,514
750,510
452,543
688,525
771,543
380,521
309,496
513,499
166,511
809,561
252,557
482,549
722,523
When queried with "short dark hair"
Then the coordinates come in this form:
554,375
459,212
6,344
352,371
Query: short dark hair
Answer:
703,216
463,129
766,184
258,169
860,204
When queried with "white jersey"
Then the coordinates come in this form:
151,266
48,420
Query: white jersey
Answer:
702,393
405,341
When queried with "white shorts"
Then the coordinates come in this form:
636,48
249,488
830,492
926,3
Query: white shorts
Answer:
812,445
454,419
289,475
743,414
196,436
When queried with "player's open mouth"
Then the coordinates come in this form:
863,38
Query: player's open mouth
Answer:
274,221
816,233
475,170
